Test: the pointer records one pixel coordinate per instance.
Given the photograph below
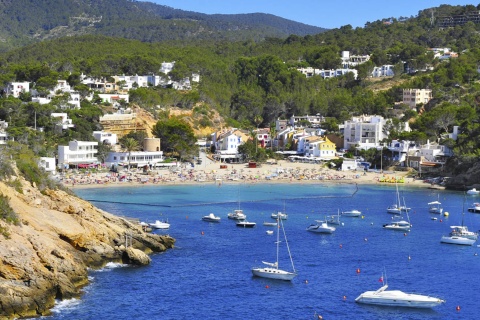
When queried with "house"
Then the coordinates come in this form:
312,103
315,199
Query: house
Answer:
299,121
281,125
76,153
3,132
383,71
263,137
151,156
401,150
284,137
413,97
62,88
310,72
105,137
63,121
226,145
16,88
320,147
48,164
366,131
112,98
349,61
349,164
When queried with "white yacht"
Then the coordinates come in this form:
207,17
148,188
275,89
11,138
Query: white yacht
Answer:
321,227
159,225
280,215
435,207
475,208
351,213
473,192
400,225
211,218
237,215
396,298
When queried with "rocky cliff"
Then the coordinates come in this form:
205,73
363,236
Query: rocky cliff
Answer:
58,236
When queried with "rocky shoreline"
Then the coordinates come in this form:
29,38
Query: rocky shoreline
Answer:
58,237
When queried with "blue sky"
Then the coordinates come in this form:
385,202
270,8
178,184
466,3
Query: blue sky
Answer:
320,13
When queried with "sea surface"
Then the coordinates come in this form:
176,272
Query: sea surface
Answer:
207,275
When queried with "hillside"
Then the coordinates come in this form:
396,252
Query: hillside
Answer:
27,21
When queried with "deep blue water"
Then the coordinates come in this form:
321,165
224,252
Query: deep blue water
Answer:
207,275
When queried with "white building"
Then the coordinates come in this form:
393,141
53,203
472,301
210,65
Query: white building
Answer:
314,121
62,88
135,158
412,97
310,72
3,132
105,137
48,164
113,98
383,71
349,61
77,152
16,88
364,132
63,121
226,145
167,67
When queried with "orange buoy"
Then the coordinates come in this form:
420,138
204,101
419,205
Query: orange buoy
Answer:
267,286
358,270
457,308
186,217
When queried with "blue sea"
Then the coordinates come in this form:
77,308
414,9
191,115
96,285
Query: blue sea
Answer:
207,275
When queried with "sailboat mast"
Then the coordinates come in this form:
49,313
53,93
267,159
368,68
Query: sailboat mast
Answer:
278,238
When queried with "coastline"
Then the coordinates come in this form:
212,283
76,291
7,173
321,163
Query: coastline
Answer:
215,173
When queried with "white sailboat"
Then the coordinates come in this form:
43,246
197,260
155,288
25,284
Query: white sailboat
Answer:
435,206
271,270
397,207
460,234
398,223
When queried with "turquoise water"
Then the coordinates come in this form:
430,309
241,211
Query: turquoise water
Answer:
207,275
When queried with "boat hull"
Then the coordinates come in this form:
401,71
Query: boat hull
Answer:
318,229
245,224
273,273
428,302
458,240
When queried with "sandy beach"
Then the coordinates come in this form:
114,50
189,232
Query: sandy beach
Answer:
208,172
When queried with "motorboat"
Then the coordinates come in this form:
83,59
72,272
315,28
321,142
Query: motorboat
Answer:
237,215
159,225
270,232
400,225
280,214
245,224
351,213
271,270
435,207
321,227
270,224
460,234
453,239
145,226
475,208
473,192
397,298
211,218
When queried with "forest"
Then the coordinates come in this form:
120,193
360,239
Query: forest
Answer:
252,83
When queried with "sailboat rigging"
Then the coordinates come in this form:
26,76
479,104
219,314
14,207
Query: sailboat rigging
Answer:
273,271
460,234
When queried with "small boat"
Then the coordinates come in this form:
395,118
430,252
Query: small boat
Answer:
334,219
435,207
270,224
237,215
280,214
159,225
475,208
269,232
351,213
400,225
397,208
460,234
473,192
211,218
145,227
271,270
397,298
321,227
245,224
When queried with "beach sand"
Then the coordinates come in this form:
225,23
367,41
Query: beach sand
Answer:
209,172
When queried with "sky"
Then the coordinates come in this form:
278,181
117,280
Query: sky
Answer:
321,13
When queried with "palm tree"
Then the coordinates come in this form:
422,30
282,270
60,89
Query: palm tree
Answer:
129,145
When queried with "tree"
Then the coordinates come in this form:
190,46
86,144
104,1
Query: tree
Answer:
176,134
130,145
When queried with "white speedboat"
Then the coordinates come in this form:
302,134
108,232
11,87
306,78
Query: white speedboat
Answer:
211,218
351,213
475,208
159,225
271,270
237,215
397,298
400,225
245,224
280,215
270,224
321,227
473,192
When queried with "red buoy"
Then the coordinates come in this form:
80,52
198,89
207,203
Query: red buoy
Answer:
203,233
457,308
267,286
358,270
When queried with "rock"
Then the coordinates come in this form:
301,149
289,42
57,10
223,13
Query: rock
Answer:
135,256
